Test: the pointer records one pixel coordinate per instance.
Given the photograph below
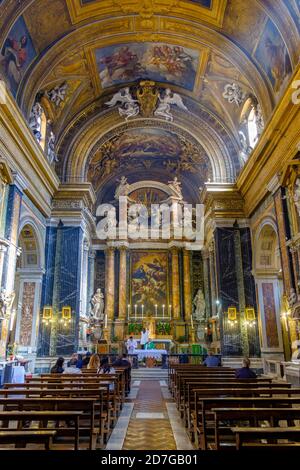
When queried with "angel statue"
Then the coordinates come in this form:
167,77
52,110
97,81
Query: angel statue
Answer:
98,305
130,107
6,301
199,303
175,185
123,187
164,107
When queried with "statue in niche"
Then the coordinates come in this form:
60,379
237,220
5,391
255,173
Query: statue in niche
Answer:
164,107
35,120
175,185
199,304
52,157
97,302
130,107
246,149
6,301
297,195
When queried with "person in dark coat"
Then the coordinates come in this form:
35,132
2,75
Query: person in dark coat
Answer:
58,367
245,372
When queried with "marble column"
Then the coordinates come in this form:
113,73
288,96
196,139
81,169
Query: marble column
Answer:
187,286
212,278
3,250
91,278
241,292
175,284
122,283
206,283
110,283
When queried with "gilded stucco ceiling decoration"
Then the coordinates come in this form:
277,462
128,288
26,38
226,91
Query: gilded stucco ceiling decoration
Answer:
195,47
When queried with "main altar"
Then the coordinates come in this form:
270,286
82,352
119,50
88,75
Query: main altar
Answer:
148,281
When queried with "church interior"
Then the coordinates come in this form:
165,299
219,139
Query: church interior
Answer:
150,181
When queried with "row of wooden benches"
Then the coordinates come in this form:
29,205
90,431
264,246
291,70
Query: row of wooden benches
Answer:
219,410
63,411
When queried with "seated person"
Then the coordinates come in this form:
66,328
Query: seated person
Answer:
211,360
58,367
121,361
105,368
245,372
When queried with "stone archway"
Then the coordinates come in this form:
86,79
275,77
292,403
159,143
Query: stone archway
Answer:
28,284
267,272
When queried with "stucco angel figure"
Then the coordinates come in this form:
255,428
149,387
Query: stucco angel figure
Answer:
297,195
98,305
164,107
199,304
6,301
175,185
123,188
130,107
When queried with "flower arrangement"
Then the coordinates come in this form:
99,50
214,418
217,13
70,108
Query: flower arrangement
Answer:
163,328
135,328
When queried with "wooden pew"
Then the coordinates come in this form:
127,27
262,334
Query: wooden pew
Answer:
245,436
43,417
21,438
203,407
249,415
90,416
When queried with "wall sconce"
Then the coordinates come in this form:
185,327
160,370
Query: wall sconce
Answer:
47,315
232,313
250,314
66,315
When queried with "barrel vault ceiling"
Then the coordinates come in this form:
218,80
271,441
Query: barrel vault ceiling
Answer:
194,47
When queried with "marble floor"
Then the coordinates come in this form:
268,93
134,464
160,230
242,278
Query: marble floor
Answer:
149,420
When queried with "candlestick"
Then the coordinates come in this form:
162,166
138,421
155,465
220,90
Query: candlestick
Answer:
105,321
142,311
163,309
192,323
155,310
135,311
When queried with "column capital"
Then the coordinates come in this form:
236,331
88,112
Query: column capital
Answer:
92,254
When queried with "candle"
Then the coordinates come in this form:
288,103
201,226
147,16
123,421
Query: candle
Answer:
142,311
170,310
163,309
128,310
192,323
155,310
105,322
135,310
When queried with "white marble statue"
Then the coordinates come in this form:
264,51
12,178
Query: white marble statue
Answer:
52,157
297,195
130,107
97,302
35,120
175,185
164,107
246,149
6,301
58,94
233,93
199,304
123,188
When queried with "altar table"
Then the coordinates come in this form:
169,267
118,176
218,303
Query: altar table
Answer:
150,353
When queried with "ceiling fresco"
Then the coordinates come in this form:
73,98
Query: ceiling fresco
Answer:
160,62
194,47
148,152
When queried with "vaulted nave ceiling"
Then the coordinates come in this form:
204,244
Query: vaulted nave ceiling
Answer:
95,48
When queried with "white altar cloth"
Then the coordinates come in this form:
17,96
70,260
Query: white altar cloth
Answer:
152,353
